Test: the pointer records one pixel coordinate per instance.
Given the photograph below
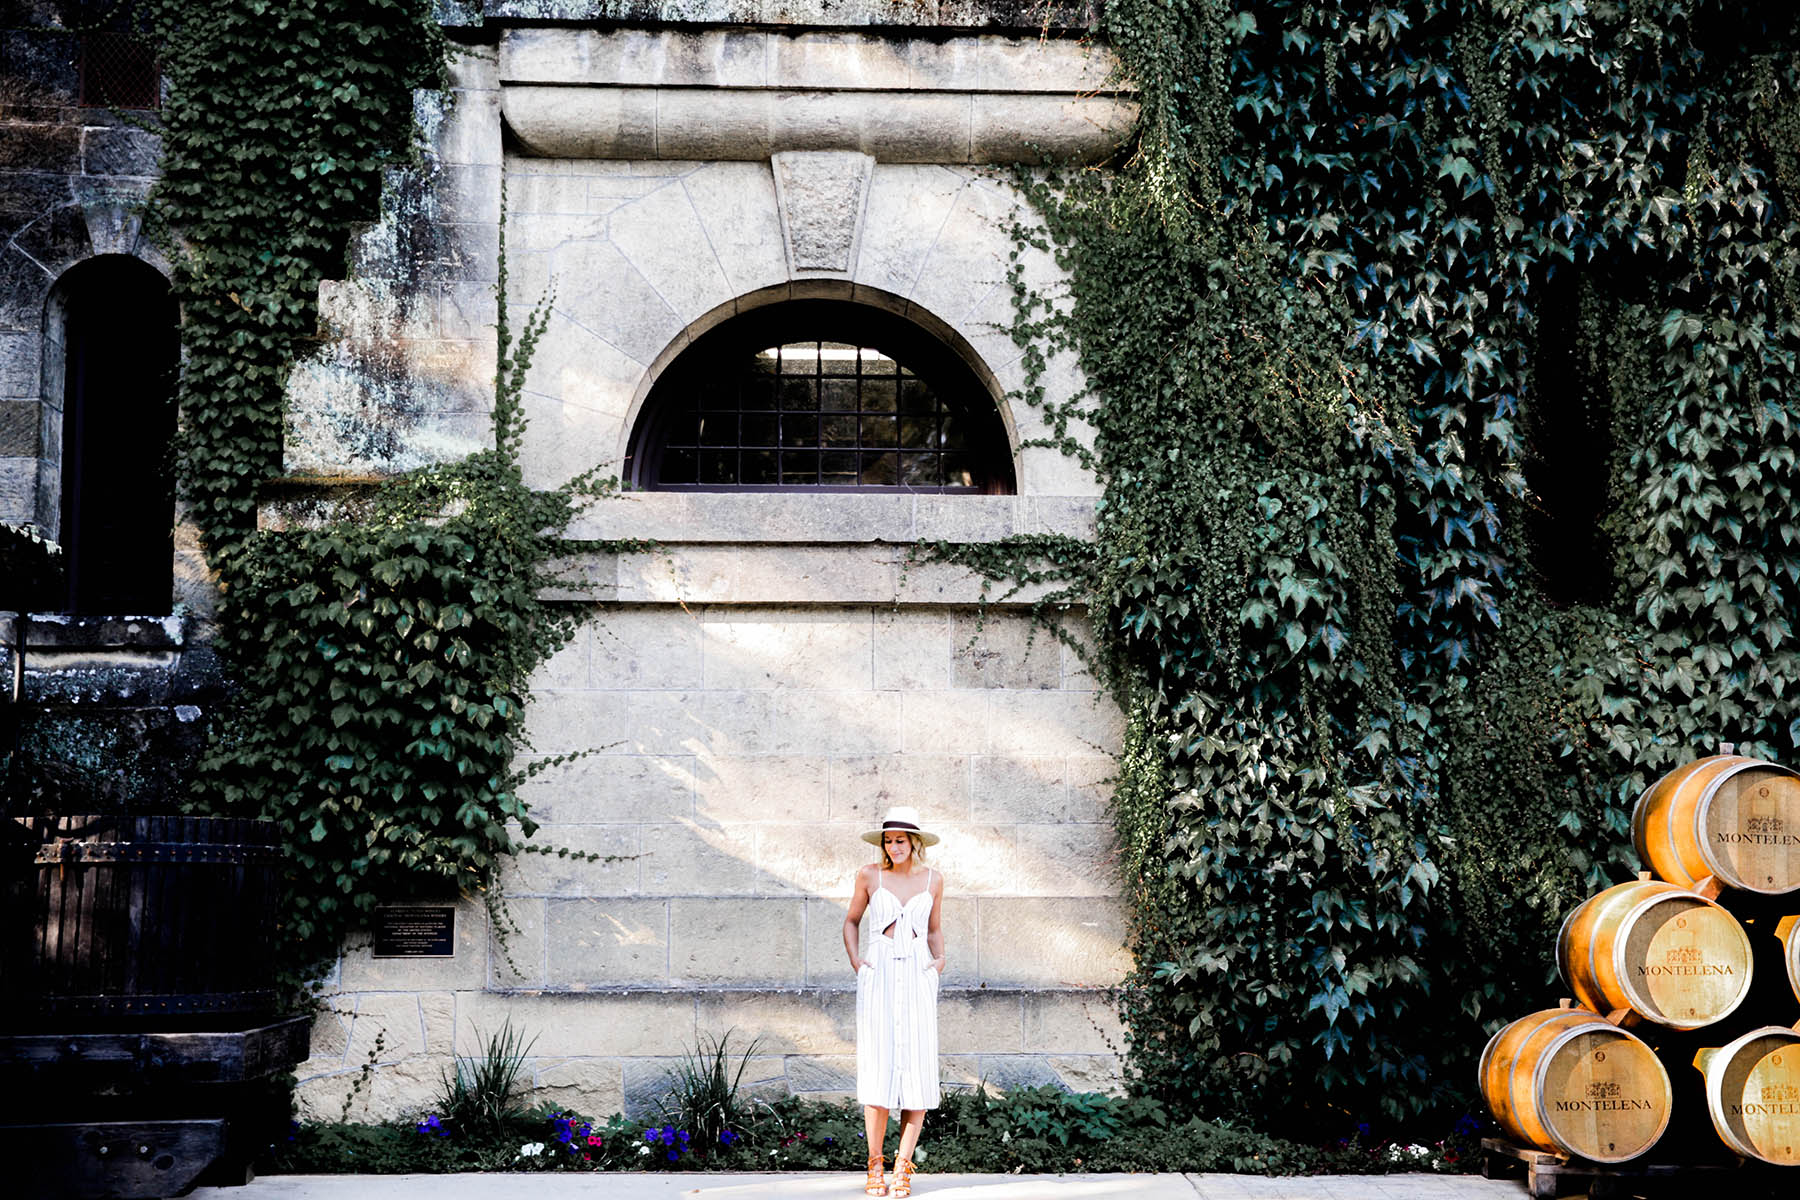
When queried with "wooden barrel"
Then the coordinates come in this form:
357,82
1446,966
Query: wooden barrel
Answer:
1788,930
1657,950
1753,1094
1566,1082
149,922
1732,818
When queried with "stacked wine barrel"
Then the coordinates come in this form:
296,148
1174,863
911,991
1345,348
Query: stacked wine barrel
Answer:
1685,985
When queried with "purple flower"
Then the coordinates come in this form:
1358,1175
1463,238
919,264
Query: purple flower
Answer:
649,1135
674,1156
668,1135
431,1124
727,1137
684,1137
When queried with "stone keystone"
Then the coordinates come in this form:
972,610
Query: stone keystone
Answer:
821,195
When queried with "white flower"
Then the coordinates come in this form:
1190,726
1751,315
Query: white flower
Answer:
531,1149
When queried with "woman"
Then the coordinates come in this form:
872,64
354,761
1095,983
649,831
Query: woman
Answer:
896,991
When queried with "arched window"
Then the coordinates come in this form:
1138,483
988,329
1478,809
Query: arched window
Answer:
114,322
820,395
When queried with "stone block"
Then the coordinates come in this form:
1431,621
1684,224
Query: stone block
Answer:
21,368
1046,723
912,649
737,942
838,60
593,1087
966,518
1061,1022
1078,653
835,1074
470,132
781,1022
559,122
18,489
1010,789
821,193
946,64
793,722
907,207
564,441
1011,64
647,1083
1001,650
385,1027
521,959
668,723
646,648
735,203
1091,781
613,788
786,648
19,425
544,872
863,787
363,972
691,859
604,292
979,1022
559,722
1052,942
662,236
1047,127
568,667
959,923
603,1025
1066,859
535,199
947,722
330,1039
437,1013
783,787
827,965
1009,1072
959,1072
466,193
607,943
968,259
977,860
1104,1073
811,858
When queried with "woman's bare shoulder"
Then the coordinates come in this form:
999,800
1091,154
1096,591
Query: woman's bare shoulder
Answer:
869,874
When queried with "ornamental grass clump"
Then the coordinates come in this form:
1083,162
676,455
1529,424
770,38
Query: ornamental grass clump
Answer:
703,1098
480,1094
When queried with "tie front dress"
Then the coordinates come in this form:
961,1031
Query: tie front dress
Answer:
896,1006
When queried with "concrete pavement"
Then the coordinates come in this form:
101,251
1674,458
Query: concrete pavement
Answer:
620,1185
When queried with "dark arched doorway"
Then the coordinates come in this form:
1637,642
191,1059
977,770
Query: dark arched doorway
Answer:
117,328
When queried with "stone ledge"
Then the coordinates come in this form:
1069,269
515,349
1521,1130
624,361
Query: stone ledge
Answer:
1049,16
794,518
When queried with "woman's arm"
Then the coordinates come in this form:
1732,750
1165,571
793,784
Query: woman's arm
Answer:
934,932
859,900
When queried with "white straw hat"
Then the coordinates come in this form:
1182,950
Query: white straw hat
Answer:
900,817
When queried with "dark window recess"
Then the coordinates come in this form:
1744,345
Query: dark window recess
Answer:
820,395
119,71
1568,446
120,359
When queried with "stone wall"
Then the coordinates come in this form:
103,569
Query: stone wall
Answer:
748,694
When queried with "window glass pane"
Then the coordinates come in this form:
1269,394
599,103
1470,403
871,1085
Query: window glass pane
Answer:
956,435
878,395
758,393
763,362
837,358
920,470
718,466
681,466
878,470
840,431
837,468
916,396
684,429
758,467
917,432
799,467
958,470
879,432
799,394
874,362
758,429
799,429
800,358
837,394
718,429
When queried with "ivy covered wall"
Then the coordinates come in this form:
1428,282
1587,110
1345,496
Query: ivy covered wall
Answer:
1443,356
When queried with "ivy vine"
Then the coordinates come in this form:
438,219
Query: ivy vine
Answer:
1369,271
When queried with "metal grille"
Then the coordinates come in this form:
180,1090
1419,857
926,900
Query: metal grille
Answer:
119,71
819,414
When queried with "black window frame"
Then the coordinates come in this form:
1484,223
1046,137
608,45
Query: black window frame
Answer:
710,366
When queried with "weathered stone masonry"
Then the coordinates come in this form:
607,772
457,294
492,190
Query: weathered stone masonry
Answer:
758,687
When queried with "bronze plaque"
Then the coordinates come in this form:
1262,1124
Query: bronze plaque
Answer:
403,931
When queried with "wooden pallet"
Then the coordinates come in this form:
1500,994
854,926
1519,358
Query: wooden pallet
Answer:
1548,1176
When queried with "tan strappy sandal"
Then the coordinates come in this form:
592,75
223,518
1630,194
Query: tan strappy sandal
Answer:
877,1185
903,1171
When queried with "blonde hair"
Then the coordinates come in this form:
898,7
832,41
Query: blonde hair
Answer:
918,845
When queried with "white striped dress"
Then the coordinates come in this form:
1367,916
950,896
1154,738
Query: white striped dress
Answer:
896,1006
